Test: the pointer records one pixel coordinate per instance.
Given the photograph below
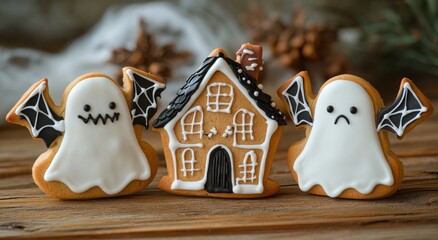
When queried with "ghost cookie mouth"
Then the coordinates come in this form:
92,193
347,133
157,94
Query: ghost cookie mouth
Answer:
344,117
95,120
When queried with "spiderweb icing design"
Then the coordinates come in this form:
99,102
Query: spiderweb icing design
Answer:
43,121
405,110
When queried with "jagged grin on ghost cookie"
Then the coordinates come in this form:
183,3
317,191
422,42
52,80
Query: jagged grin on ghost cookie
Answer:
95,120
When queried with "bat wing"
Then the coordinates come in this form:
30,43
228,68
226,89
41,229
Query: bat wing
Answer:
296,99
145,90
43,122
409,106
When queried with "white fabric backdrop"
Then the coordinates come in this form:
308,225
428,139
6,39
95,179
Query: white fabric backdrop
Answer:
200,27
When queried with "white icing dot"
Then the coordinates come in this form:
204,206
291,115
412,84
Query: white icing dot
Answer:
272,116
273,104
249,82
261,68
239,71
169,106
243,79
260,86
256,93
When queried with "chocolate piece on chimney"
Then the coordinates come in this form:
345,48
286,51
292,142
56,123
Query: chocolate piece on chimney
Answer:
250,58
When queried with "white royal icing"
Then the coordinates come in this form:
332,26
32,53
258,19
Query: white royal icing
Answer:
247,51
272,125
252,66
228,131
341,156
213,131
214,103
245,125
189,127
248,168
185,161
108,156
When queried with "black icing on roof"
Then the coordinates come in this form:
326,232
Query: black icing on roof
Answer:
262,99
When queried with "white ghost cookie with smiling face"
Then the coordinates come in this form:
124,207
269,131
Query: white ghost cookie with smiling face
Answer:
346,153
94,137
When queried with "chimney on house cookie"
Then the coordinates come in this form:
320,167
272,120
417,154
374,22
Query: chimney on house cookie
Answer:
250,58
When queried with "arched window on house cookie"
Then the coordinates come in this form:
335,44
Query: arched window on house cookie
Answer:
248,168
192,121
243,124
219,97
188,162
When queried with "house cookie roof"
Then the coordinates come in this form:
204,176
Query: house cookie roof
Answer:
192,84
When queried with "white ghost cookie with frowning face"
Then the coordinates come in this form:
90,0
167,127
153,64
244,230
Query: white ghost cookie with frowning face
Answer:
93,138
346,154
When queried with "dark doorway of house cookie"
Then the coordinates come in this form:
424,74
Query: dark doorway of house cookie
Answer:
219,172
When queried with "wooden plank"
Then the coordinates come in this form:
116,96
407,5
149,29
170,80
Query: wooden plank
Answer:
154,213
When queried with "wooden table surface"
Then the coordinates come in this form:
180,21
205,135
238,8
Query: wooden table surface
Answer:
412,213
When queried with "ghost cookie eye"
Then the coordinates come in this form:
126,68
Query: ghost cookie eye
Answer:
87,108
330,109
112,105
353,110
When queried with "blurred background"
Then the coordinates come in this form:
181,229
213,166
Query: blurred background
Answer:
381,41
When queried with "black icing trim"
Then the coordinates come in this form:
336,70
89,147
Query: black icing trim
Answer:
103,119
219,172
262,99
344,117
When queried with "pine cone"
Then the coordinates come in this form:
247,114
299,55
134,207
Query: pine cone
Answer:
148,55
297,45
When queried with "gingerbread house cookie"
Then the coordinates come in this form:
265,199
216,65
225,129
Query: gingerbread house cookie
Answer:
220,133
94,137
346,152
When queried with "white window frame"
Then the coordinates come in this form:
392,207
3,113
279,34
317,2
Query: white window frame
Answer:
191,162
241,127
193,123
215,105
248,169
